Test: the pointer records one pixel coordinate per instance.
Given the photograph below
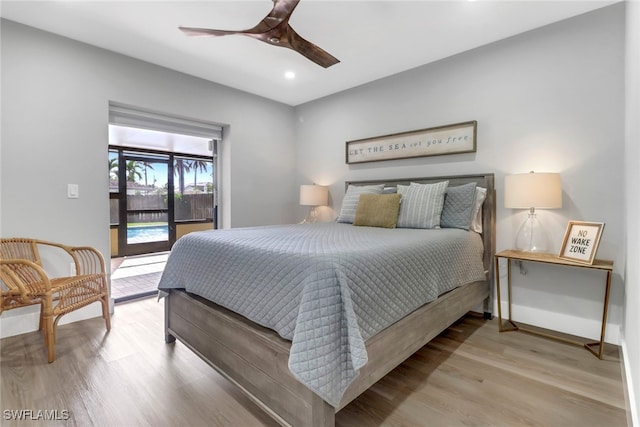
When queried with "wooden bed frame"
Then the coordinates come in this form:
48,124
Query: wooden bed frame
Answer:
255,358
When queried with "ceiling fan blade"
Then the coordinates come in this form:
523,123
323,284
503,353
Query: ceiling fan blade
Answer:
204,32
279,15
310,50
282,9
274,29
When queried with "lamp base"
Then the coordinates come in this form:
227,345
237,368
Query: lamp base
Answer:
311,217
531,236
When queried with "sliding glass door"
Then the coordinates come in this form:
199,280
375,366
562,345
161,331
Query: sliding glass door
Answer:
149,221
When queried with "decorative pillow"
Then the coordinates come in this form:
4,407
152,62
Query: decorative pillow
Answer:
476,222
350,200
422,205
378,210
458,207
402,189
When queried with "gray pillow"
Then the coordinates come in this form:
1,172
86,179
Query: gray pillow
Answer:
458,207
350,200
421,205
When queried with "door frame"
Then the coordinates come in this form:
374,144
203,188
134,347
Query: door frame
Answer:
124,246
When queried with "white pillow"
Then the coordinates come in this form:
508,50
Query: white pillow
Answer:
476,222
421,205
350,200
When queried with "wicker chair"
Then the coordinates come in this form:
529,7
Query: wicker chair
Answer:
23,282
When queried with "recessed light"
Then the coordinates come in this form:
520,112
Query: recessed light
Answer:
290,75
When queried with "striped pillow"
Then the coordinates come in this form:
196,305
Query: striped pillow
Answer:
350,200
421,205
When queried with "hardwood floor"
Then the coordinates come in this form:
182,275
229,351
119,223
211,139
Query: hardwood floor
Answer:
469,375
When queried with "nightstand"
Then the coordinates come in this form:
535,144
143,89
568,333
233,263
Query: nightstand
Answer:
510,325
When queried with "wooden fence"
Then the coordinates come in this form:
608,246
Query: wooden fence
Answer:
188,207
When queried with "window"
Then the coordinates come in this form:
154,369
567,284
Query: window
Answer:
194,195
162,175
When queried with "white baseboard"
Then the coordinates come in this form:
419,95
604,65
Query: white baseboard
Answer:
25,320
578,326
630,390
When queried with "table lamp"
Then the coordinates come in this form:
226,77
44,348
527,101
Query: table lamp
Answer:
530,191
314,196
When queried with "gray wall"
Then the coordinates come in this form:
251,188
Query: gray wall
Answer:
55,96
550,100
631,335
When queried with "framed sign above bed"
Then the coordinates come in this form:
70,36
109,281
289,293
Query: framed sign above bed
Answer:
450,139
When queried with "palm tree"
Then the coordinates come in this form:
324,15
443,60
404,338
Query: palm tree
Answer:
180,167
198,164
133,170
113,168
146,165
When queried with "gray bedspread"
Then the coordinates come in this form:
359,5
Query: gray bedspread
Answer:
327,287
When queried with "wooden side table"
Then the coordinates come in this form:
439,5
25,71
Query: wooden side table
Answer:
510,325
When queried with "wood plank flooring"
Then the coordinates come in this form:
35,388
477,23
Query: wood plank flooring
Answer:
470,375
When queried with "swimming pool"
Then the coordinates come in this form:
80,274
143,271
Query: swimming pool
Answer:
147,233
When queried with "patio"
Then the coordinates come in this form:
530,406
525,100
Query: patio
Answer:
136,276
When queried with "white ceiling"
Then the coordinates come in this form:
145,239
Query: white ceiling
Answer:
372,39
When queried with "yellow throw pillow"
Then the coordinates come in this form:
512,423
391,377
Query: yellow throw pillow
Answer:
378,210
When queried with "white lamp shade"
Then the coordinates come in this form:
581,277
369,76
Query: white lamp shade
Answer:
314,195
533,190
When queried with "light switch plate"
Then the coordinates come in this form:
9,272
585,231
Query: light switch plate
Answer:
73,191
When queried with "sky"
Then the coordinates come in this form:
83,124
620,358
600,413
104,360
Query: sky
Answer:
159,174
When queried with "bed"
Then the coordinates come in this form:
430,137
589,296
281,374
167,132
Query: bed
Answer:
317,337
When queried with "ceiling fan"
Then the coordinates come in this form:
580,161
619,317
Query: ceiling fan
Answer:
275,30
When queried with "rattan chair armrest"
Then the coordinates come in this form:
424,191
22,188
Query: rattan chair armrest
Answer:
87,259
20,274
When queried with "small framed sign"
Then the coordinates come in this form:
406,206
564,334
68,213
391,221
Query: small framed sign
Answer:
449,139
581,241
